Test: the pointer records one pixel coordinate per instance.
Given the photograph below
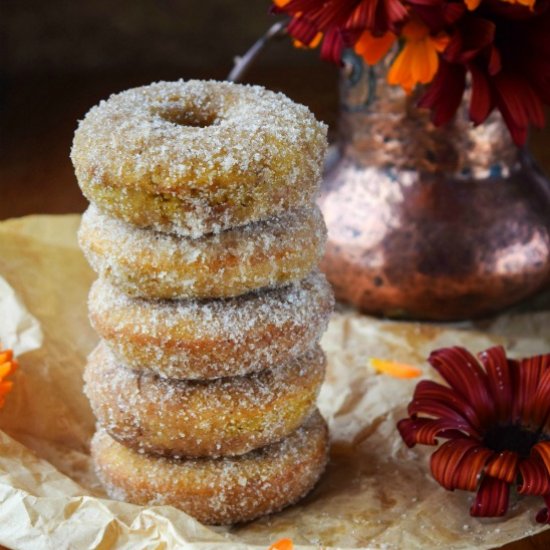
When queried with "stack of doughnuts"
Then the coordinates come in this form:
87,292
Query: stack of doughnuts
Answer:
206,239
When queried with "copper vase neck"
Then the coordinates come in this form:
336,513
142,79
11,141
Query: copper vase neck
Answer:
377,122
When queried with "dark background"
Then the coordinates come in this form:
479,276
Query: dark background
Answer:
58,58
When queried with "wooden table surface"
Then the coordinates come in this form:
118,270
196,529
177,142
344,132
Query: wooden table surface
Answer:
38,116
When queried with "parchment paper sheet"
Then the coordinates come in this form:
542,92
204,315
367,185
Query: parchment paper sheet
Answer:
375,493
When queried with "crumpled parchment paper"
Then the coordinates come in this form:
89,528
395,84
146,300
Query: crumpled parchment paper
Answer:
376,493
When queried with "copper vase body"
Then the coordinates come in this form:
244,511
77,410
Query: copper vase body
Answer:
430,223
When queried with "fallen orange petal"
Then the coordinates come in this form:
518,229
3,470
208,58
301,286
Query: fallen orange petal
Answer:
8,365
283,544
392,368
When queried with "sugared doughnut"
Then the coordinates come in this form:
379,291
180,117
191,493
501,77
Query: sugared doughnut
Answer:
198,157
149,264
217,490
193,418
212,338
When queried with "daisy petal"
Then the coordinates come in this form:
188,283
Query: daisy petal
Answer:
445,92
491,499
540,408
360,16
334,14
399,73
495,61
513,98
498,380
445,461
535,479
424,431
427,433
463,373
427,389
394,11
470,468
481,103
364,16
440,410
519,104
333,46
503,466
529,372
542,449
475,35
409,429
452,12
424,61
302,30
373,48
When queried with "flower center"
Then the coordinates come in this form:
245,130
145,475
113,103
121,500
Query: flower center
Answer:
513,438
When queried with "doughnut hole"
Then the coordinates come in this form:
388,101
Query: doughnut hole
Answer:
186,115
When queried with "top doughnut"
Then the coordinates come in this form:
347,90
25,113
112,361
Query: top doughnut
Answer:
196,157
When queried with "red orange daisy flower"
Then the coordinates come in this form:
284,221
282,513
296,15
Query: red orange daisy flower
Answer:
341,22
8,365
506,50
503,46
495,416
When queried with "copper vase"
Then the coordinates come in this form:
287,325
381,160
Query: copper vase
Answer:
429,223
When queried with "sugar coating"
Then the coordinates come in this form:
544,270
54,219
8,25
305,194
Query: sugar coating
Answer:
149,264
212,338
220,490
196,157
225,416
190,161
